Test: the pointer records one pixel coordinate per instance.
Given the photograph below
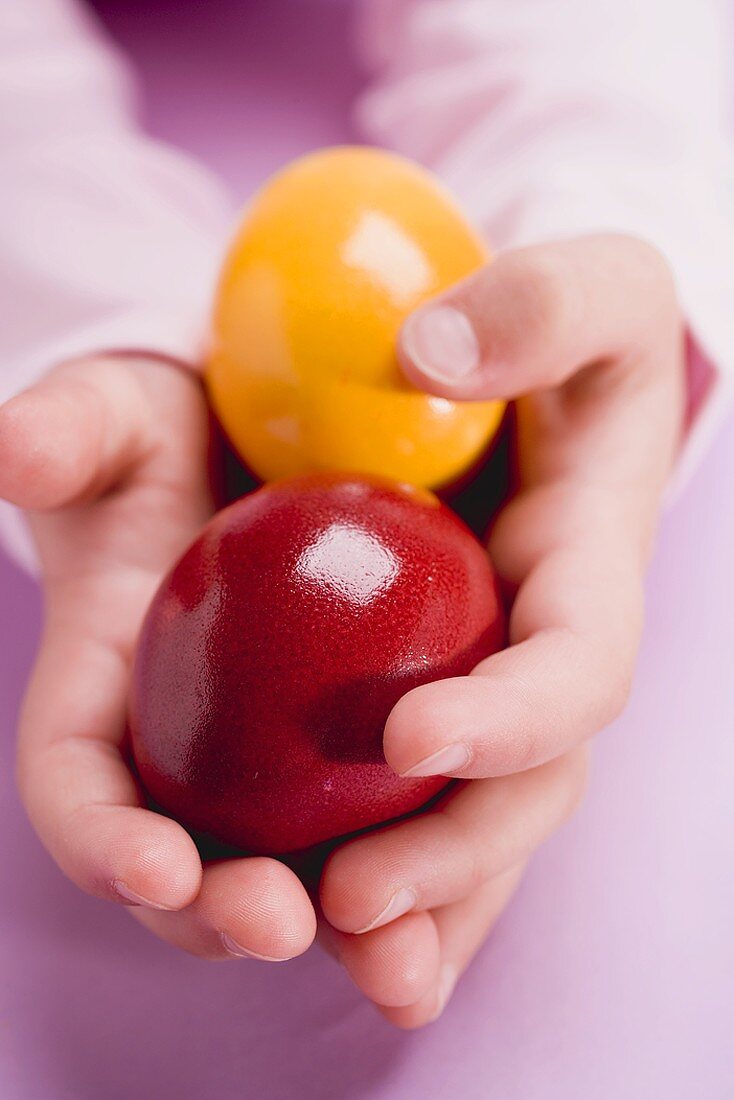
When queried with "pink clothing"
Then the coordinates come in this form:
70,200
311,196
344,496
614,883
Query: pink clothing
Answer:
545,119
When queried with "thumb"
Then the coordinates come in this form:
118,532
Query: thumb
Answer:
532,318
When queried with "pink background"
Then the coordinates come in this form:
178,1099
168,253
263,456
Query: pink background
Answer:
611,975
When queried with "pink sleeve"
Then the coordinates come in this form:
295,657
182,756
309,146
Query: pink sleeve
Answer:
551,119
108,239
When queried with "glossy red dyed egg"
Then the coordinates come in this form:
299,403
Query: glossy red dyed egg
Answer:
274,651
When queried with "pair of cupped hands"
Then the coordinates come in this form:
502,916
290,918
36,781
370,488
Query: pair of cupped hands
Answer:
108,456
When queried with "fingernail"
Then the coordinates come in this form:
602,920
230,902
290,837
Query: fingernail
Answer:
446,761
447,978
129,897
241,952
402,901
442,343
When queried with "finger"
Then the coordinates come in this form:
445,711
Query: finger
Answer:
102,563
79,793
462,929
592,329
535,315
594,456
574,631
246,908
474,834
394,965
73,435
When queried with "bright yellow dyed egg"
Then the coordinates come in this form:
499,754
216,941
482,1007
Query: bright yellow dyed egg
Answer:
330,258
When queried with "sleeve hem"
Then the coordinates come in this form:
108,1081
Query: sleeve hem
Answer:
707,404
165,333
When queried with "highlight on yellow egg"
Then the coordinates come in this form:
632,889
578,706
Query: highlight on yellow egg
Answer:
330,258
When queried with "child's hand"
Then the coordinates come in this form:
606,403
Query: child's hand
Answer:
109,457
588,335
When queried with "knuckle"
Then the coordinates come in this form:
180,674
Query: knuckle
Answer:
539,283
466,852
530,749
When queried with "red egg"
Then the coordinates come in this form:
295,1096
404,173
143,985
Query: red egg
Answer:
274,651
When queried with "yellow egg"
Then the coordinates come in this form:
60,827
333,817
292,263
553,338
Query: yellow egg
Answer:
332,255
